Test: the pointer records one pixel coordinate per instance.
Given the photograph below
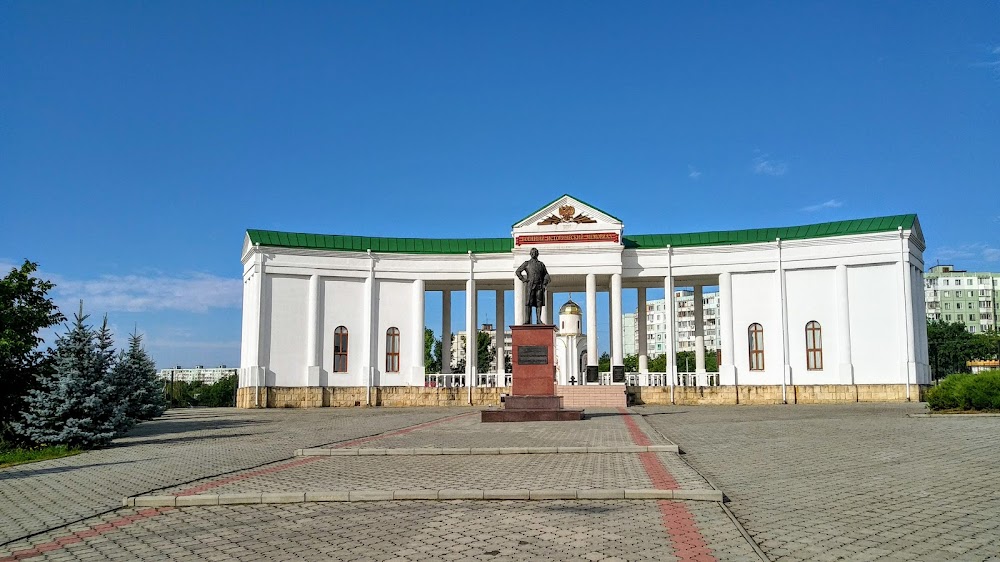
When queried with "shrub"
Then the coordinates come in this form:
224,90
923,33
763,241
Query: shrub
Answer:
966,392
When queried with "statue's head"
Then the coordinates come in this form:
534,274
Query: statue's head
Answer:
533,253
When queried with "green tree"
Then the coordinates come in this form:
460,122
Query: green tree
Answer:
25,309
218,395
631,363
604,363
135,373
949,346
485,353
76,403
658,364
432,352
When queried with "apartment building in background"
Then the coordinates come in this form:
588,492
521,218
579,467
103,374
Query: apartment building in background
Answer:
970,298
656,327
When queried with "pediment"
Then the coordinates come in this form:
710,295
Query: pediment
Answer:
568,210
568,220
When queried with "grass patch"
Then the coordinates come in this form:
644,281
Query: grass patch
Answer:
10,456
966,392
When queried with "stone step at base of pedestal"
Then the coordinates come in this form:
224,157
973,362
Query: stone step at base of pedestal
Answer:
526,415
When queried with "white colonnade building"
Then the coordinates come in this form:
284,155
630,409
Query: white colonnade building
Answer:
837,303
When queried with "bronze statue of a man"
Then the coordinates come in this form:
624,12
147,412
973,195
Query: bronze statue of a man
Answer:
534,274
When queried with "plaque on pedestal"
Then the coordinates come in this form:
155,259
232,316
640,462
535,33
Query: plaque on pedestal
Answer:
533,382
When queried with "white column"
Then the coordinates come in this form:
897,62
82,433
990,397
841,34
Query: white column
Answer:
548,312
256,372
445,332
499,337
786,370
471,334
592,356
727,370
313,368
367,353
670,337
417,377
616,320
518,301
845,364
910,361
699,336
640,317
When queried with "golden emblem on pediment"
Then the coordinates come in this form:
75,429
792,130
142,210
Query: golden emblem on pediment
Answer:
567,213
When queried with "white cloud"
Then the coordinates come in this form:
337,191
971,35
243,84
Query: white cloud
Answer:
831,204
974,253
182,344
993,60
198,292
763,164
693,173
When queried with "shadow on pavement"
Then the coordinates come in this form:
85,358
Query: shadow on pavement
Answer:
27,472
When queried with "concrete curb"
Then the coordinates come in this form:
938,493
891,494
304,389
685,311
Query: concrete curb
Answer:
320,452
410,495
955,415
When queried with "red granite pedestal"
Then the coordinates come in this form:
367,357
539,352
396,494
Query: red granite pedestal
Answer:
533,382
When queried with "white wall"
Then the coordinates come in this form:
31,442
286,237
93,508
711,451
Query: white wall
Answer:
876,326
393,305
286,303
811,295
342,301
755,299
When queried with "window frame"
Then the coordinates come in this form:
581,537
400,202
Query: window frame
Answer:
343,333
392,350
755,336
814,346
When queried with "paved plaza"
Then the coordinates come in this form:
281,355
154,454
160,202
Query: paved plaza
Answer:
850,482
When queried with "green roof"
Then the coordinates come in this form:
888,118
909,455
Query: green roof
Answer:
383,245
638,241
750,236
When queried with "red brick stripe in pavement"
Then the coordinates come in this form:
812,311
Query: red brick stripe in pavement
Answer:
97,530
80,536
687,541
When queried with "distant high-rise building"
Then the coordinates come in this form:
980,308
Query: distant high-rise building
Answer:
656,327
953,295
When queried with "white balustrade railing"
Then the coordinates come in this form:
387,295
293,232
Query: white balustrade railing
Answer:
438,380
684,378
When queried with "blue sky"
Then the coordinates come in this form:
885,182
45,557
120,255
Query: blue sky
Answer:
138,141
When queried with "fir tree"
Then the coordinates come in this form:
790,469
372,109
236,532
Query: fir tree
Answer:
143,390
75,403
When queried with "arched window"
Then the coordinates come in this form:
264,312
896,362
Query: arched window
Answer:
756,335
392,350
340,350
814,346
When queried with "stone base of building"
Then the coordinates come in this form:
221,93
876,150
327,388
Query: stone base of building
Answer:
409,396
771,394
347,396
